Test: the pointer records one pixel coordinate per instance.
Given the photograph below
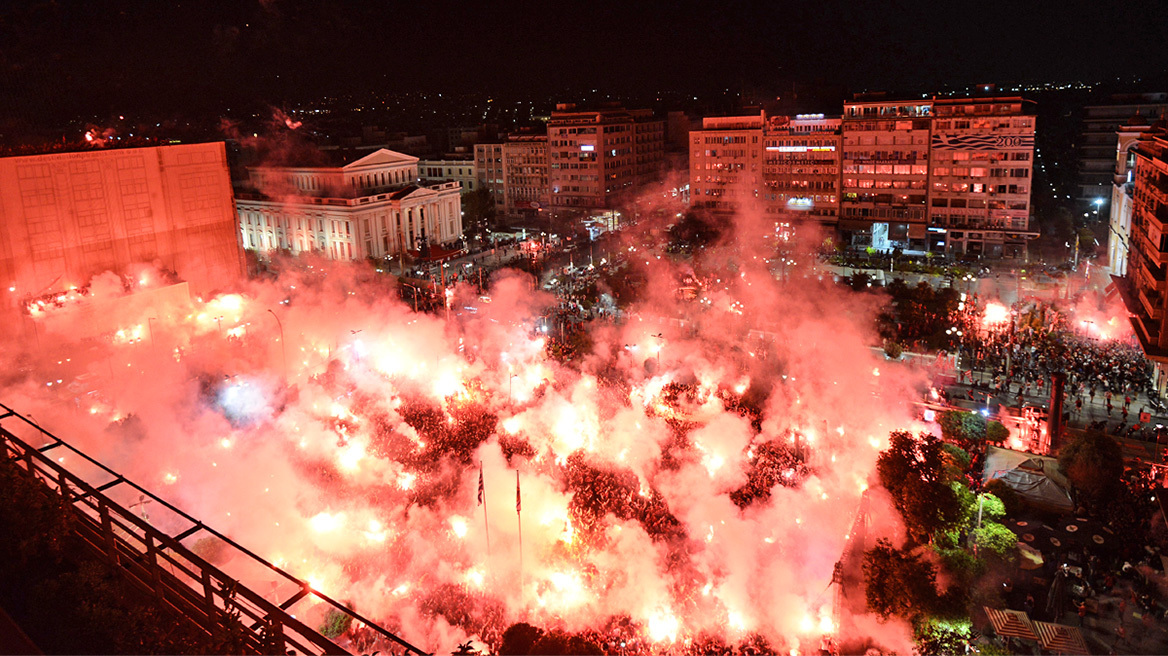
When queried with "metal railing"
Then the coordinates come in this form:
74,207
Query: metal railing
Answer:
159,563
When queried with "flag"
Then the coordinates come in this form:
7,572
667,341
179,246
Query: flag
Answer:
518,499
480,483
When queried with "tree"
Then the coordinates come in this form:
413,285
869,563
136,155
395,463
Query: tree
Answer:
970,428
558,642
943,637
996,539
519,638
912,470
1093,462
893,349
898,582
478,208
1009,498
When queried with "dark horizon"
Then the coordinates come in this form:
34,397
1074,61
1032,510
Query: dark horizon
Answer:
140,57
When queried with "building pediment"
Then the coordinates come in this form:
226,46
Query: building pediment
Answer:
380,158
413,193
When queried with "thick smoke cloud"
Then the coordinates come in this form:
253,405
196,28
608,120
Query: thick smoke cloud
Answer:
696,475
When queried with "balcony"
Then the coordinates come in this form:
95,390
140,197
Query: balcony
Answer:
1151,302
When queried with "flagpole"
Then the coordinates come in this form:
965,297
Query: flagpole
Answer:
519,519
483,495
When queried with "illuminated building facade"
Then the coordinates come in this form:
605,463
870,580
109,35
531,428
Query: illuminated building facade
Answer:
598,157
1145,287
726,162
461,171
982,156
1122,188
885,172
371,207
787,166
801,167
525,175
1097,140
67,217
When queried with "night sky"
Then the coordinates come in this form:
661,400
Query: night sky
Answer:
97,56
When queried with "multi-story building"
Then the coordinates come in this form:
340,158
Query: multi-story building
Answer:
1097,141
488,159
525,174
948,176
1122,188
371,207
788,167
726,162
1145,287
801,168
596,158
460,170
885,172
982,156
67,217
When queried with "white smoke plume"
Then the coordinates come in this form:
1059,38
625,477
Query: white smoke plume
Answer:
688,480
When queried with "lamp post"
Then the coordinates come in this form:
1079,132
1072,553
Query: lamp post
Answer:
283,347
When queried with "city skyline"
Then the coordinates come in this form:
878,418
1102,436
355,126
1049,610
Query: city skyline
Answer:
129,56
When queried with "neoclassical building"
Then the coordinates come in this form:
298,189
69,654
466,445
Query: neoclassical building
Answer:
372,206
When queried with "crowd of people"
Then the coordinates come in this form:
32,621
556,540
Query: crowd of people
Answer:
1106,380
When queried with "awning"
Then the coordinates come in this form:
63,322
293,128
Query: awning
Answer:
1011,623
1061,639
1110,291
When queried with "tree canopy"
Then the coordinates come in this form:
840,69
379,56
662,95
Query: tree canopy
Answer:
970,428
898,582
912,469
1093,462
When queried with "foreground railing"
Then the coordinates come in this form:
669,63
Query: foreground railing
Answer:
159,563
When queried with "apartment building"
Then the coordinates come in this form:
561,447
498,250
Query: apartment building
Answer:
1145,287
598,157
885,171
982,158
801,167
1122,190
726,162
525,174
1097,139
488,161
